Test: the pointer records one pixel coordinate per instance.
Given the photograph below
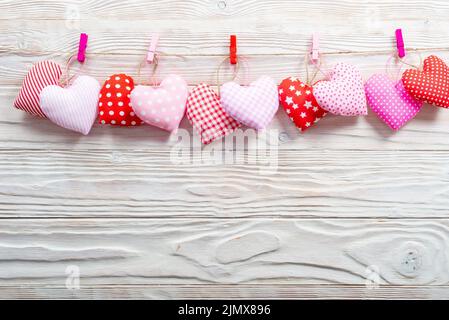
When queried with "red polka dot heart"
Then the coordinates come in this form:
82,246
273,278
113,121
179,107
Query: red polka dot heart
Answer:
114,104
431,85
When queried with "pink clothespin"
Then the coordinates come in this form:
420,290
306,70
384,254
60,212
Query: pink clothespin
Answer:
152,49
400,43
315,48
82,47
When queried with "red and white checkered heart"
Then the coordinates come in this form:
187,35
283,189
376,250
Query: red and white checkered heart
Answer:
163,106
207,116
254,105
74,107
41,75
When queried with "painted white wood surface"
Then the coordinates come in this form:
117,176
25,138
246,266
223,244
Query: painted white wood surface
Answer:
347,197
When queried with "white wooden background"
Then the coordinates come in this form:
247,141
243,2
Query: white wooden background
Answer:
348,194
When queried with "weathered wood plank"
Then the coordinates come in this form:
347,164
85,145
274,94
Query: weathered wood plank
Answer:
340,11
225,292
148,183
262,35
223,251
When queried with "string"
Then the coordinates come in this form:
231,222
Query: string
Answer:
236,71
153,73
155,64
318,69
402,63
66,79
412,65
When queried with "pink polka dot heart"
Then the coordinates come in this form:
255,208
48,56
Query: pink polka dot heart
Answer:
390,101
163,106
343,94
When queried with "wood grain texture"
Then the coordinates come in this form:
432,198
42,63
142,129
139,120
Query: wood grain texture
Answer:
358,184
225,292
203,251
144,215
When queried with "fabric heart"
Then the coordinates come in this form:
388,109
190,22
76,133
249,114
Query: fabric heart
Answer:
207,116
254,105
163,106
41,75
299,103
390,101
344,93
73,107
431,85
115,104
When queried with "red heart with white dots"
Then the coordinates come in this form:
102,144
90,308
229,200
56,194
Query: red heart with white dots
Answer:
299,103
431,85
115,104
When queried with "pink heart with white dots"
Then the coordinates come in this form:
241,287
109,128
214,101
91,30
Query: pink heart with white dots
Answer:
163,106
390,101
343,94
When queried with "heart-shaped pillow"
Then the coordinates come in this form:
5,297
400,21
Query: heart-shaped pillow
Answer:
41,75
163,106
115,104
73,107
343,94
431,85
299,103
390,101
207,116
254,105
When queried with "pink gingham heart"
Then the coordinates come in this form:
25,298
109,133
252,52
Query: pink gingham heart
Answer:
254,105
74,107
343,94
390,101
163,106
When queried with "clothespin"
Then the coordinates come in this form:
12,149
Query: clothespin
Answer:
233,50
152,49
315,52
400,43
82,47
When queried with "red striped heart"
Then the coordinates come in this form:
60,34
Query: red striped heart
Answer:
41,75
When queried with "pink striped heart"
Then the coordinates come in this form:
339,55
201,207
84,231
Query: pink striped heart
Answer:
254,105
41,75
74,107
163,106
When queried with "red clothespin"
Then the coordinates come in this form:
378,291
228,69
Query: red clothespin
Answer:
152,50
400,43
82,47
233,50
315,52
